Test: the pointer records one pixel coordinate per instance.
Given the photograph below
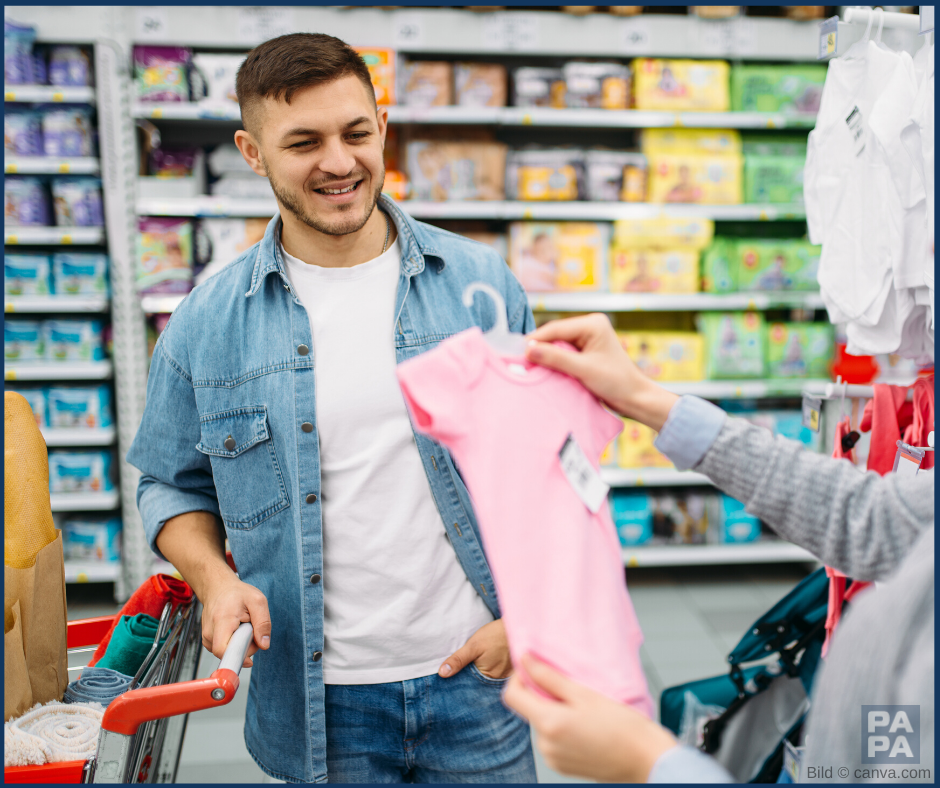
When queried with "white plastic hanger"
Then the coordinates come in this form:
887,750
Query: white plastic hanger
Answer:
499,337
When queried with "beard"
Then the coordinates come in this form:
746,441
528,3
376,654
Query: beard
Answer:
343,226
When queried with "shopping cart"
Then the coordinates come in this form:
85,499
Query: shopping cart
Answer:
142,731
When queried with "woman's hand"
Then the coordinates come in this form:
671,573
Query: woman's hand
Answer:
602,366
584,733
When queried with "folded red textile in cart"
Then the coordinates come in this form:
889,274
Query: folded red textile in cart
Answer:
150,598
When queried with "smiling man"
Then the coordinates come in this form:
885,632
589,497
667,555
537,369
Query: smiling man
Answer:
274,418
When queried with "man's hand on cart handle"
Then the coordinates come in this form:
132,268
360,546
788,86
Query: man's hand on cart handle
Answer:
228,603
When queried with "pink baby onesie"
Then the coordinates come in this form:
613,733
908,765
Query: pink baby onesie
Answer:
558,568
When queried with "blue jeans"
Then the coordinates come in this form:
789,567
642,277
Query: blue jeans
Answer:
426,730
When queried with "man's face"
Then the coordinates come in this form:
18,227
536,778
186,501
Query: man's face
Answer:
322,154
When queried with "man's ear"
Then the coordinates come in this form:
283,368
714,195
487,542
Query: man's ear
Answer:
251,151
381,118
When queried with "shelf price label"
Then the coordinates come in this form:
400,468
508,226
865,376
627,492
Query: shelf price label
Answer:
408,30
514,31
11,240
828,37
9,95
9,374
262,23
152,24
635,38
66,239
64,167
58,96
10,168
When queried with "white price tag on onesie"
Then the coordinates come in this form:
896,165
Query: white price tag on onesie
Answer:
582,476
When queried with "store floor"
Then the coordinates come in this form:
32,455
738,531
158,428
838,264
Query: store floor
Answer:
691,618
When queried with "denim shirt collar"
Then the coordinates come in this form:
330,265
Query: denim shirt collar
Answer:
415,241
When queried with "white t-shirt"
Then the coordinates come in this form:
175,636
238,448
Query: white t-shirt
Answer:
396,601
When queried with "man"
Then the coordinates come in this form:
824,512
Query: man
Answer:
273,406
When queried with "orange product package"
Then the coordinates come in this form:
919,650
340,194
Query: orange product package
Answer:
381,65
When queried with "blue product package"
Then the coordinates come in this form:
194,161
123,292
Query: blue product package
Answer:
632,514
77,202
25,202
789,423
79,408
80,273
736,525
80,472
74,340
23,340
22,131
18,41
69,66
67,130
37,404
92,539
26,274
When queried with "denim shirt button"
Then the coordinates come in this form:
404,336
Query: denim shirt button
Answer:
229,443
311,498
314,579
317,655
303,350
306,426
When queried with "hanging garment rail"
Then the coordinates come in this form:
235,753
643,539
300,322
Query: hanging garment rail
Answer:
860,16
854,391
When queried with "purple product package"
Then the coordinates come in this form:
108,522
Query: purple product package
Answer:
25,202
77,202
67,130
161,73
69,66
22,132
18,66
172,162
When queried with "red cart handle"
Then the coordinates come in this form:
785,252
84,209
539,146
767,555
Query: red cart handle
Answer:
128,711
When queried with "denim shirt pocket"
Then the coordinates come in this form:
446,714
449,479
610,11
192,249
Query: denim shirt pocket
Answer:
248,479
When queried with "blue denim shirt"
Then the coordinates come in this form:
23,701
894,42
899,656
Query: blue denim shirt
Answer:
236,361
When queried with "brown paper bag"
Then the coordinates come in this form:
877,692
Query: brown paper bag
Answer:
35,599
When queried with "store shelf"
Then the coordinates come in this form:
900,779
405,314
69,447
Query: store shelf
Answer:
53,236
48,94
160,305
92,571
763,552
744,389
64,370
57,304
50,165
507,210
78,437
186,110
85,502
652,477
676,302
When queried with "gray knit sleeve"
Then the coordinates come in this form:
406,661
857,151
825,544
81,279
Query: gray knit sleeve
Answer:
860,523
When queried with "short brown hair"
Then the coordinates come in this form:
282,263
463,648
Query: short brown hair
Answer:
282,66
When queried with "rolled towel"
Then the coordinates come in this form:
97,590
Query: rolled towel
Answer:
130,643
97,685
52,733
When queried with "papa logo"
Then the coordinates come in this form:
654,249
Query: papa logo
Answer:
891,734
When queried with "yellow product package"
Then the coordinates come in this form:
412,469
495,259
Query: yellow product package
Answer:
609,457
548,183
680,85
691,178
635,447
705,142
559,256
666,356
663,233
653,271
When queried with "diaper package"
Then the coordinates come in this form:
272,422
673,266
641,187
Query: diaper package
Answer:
694,166
227,239
666,356
596,85
18,42
212,78
23,341
681,85
25,202
26,274
67,130
559,256
381,65
74,340
663,233
456,170
161,73
799,350
765,264
772,179
22,131
734,344
80,472
92,539
480,84
80,273
663,518
69,66
538,87
788,423
79,407
632,513
164,255
77,202
736,526
720,266
635,447
36,397
789,88
545,175
427,83
653,271
615,175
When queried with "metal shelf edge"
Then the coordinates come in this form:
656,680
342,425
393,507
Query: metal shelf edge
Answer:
701,555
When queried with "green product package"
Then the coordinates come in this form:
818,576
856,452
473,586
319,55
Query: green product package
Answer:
800,350
790,88
776,265
770,143
773,179
734,344
719,267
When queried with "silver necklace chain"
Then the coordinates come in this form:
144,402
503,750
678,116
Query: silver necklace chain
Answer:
388,229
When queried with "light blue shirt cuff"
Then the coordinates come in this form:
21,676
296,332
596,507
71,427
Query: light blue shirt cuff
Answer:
683,764
690,430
